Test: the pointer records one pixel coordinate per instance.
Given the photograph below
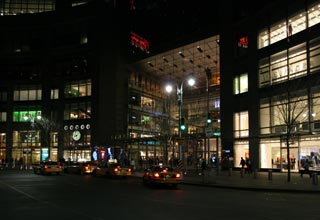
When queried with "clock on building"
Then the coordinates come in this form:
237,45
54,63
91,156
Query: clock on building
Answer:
76,135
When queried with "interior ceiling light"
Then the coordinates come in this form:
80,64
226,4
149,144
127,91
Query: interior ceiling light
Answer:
181,54
150,64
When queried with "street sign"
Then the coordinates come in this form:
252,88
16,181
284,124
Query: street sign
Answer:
209,132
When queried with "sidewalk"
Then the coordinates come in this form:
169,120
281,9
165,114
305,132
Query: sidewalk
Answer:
264,181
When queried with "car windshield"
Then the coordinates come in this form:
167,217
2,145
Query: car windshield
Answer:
158,168
114,164
50,163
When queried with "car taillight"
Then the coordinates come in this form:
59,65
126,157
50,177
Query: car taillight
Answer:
116,169
164,171
156,175
60,167
178,175
45,167
129,170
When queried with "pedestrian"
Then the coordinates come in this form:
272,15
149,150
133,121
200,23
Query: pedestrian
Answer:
305,170
133,164
248,166
203,166
242,163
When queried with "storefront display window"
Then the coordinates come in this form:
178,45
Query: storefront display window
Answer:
241,149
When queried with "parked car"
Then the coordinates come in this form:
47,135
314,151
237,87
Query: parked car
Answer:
47,167
80,168
162,175
112,170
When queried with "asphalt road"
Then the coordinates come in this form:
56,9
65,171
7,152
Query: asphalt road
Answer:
25,195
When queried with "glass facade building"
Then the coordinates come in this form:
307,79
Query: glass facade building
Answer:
278,108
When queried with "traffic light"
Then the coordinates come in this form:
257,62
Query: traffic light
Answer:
182,125
209,118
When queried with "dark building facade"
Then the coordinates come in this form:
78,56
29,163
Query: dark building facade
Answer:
63,71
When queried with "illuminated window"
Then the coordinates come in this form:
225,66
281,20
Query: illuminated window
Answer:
265,116
296,23
27,114
297,61
278,32
264,74
240,84
3,116
54,94
314,15
81,110
314,55
27,93
241,124
279,68
263,38
76,89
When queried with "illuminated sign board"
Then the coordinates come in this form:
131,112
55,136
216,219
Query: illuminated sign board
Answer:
243,42
138,41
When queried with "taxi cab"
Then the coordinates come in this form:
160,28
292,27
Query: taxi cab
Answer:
80,167
112,170
47,167
162,175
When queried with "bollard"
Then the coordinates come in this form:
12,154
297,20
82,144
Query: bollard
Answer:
242,172
269,174
315,178
255,173
230,171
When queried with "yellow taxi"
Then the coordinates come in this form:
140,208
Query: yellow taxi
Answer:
162,175
47,167
112,170
80,167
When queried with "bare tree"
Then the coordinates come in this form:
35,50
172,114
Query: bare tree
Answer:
290,112
46,127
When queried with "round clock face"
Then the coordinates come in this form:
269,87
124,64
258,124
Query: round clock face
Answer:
76,135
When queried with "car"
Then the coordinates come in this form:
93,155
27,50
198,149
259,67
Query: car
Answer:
112,170
80,167
162,175
47,167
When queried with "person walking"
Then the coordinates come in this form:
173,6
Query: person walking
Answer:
306,170
248,166
242,163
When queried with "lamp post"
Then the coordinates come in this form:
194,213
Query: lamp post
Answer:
179,88
208,73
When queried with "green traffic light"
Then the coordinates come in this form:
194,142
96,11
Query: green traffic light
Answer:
182,125
209,118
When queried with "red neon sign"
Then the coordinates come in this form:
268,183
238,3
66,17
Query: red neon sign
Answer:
243,42
140,42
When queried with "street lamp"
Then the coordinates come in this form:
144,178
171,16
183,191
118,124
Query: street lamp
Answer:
179,88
